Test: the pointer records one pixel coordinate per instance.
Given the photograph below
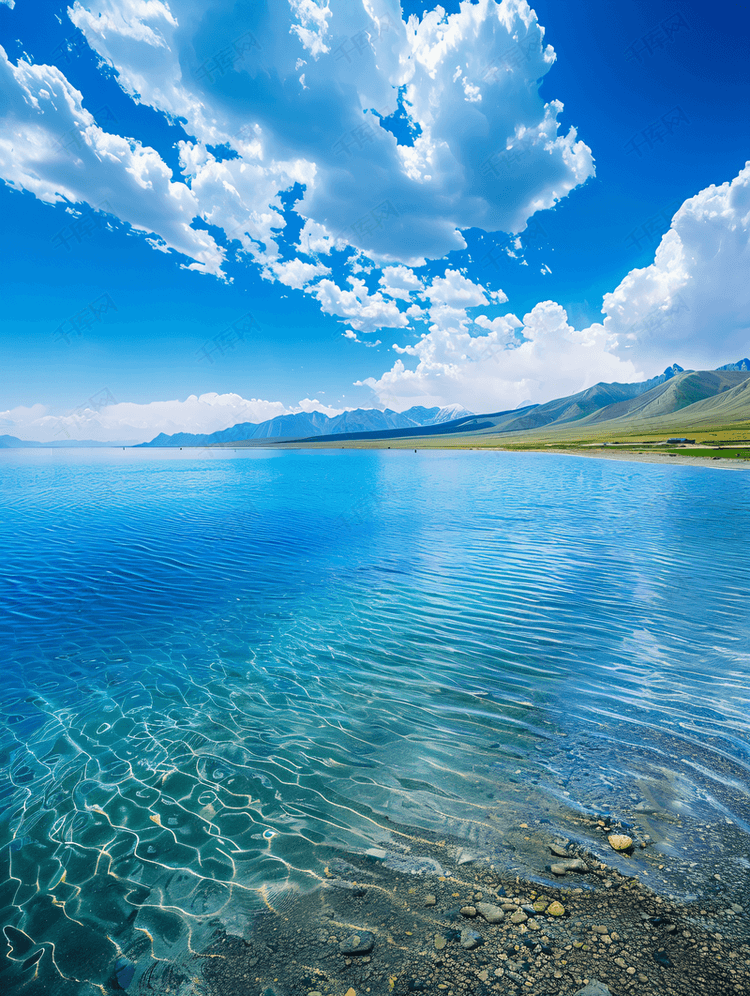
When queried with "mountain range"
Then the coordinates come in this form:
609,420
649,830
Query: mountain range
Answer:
673,398
304,425
667,393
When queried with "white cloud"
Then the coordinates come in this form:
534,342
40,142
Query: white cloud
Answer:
296,273
363,311
454,290
493,372
401,282
208,413
313,25
51,145
313,405
692,304
489,153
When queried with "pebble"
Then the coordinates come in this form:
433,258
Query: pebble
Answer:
519,917
361,943
574,864
470,939
430,900
555,909
594,988
620,842
350,992
440,942
490,912
470,911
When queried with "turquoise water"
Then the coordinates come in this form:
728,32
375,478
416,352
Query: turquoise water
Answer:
218,668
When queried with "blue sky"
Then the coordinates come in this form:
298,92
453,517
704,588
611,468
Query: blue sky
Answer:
459,239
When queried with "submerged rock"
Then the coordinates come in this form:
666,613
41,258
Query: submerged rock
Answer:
620,841
594,988
573,864
358,944
470,939
413,865
490,912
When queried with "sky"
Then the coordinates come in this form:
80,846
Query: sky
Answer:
218,211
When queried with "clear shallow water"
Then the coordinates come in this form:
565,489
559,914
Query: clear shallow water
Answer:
217,667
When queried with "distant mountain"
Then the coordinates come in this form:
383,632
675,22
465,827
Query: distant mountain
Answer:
305,425
696,398
739,365
14,443
701,396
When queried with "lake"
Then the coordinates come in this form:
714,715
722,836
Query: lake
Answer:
220,669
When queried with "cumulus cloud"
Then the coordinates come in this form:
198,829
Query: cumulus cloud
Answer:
692,303
363,311
401,282
102,418
487,150
296,273
499,370
51,145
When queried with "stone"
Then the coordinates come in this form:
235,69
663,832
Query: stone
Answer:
555,909
470,939
519,917
533,925
350,992
430,900
560,848
346,886
469,911
358,944
573,864
490,912
467,857
540,905
594,988
411,865
620,842
440,942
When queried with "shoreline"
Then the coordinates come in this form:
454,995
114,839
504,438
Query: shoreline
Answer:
425,916
660,458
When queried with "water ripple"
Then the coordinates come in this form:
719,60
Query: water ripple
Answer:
217,669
